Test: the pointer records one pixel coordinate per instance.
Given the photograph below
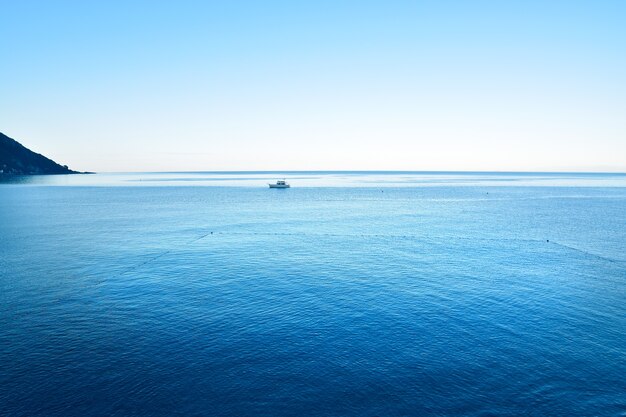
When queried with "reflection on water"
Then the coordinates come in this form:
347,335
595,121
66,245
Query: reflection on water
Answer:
326,179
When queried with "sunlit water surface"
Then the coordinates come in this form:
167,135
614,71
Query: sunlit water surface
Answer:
350,294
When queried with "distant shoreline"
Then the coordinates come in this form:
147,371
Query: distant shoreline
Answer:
13,174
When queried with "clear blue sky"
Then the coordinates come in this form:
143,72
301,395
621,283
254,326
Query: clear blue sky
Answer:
399,85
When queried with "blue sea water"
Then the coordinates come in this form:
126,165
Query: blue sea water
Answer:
350,294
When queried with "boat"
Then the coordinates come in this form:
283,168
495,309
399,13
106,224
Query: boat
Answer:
280,184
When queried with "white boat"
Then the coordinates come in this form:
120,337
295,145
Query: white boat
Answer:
279,184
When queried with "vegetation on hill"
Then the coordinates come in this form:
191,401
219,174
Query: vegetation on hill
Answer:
15,159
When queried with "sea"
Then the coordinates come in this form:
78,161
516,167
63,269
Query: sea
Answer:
349,294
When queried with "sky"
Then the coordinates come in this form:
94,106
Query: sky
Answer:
317,85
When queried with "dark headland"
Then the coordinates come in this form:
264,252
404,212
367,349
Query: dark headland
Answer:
16,159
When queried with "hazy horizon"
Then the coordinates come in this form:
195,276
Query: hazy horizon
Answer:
276,86
382,171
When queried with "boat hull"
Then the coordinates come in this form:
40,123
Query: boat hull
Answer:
278,186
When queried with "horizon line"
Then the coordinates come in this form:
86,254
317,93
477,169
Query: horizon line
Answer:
360,171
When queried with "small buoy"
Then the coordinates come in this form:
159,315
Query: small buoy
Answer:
547,240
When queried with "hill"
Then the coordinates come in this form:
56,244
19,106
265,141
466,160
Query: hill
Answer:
15,159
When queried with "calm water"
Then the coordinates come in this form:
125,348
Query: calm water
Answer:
351,294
